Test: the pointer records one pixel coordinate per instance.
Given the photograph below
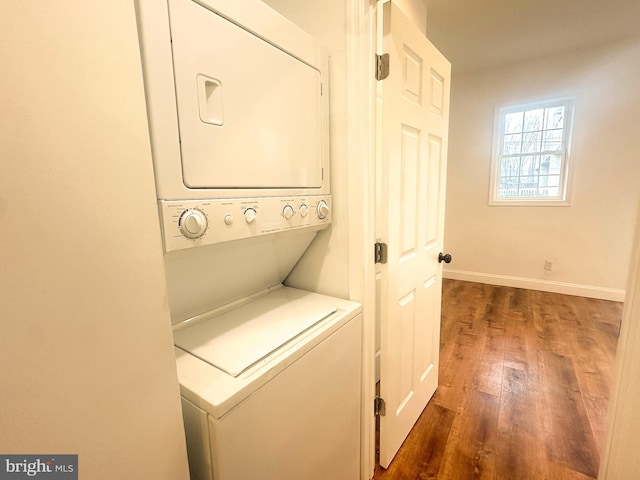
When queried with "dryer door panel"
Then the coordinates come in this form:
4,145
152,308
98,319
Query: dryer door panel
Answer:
250,114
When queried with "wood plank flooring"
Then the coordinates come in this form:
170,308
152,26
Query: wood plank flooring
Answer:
523,392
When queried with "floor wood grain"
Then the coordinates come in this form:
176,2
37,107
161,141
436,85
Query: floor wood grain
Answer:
523,392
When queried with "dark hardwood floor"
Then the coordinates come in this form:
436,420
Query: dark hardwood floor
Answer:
524,387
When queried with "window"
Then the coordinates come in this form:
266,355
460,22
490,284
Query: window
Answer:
530,163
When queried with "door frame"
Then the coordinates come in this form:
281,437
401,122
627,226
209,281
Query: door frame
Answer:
362,144
361,148
619,451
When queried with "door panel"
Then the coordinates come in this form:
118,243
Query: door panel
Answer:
410,172
413,122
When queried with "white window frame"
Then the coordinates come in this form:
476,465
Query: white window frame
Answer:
563,198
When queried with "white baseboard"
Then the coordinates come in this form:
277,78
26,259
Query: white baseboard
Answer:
535,284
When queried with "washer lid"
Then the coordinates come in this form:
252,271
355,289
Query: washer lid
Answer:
237,339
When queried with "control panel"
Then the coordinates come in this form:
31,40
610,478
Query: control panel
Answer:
191,223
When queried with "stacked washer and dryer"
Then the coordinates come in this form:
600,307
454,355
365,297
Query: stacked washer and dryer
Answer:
237,100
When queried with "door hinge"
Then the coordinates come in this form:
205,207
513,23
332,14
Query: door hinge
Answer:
382,66
380,253
379,407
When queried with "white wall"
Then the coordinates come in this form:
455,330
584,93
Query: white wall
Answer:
86,353
416,11
589,242
324,268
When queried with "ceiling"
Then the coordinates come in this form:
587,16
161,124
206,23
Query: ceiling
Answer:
475,34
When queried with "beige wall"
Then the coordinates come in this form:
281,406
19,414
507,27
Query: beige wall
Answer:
86,355
589,242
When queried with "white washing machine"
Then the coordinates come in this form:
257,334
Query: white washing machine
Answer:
237,101
271,389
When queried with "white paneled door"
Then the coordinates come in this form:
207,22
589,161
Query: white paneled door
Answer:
413,102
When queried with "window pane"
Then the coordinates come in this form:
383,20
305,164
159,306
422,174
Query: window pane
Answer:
510,167
554,118
512,193
529,166
528,191
512,144
509,186
549,181
533,120
552,140
531,142
544,164
513,122
553,164
509,182
548,192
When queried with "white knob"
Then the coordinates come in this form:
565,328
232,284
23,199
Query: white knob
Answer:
249,215
193,223
323,210
228,219
287,212
304,210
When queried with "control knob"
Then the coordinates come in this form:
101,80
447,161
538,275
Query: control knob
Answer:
193,223
250,215
304,210
323,210
287,212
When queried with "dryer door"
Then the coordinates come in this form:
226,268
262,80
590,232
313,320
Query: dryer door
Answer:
250,114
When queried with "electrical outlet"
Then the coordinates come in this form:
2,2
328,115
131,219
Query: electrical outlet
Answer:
548,265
